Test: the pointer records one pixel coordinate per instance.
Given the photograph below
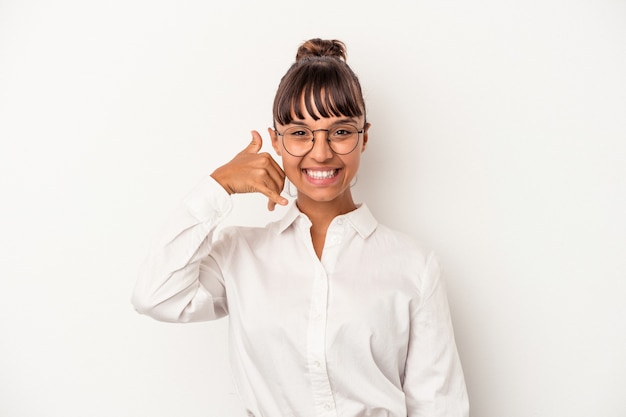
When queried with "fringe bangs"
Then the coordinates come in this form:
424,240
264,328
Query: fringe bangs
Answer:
321,89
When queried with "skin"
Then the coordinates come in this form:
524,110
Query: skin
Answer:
321,200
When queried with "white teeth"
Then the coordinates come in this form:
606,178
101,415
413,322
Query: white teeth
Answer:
321,175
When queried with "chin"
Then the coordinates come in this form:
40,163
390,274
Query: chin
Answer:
322,196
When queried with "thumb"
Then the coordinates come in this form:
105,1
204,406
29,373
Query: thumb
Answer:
255,145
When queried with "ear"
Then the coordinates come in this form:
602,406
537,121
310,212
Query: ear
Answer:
274,138
365,136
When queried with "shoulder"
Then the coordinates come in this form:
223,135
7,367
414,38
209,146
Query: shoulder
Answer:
249,233
407,256
394,241
234,243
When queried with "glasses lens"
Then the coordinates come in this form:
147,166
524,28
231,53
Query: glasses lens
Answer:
298,140
343,138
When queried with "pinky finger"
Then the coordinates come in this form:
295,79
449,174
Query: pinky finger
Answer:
274,198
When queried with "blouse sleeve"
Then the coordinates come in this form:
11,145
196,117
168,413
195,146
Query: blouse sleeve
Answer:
179,281
434,384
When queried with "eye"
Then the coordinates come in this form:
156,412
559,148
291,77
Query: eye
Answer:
342,132
297,133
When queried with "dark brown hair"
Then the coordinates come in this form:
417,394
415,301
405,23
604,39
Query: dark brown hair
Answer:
320,75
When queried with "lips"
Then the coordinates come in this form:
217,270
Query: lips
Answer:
319,174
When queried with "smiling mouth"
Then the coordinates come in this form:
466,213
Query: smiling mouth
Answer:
321,175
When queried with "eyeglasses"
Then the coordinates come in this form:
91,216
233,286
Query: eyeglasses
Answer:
299,140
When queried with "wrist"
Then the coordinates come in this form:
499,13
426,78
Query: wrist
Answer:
218,178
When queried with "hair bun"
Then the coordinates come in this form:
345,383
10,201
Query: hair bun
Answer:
321,47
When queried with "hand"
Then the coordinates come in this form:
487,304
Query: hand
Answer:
253,172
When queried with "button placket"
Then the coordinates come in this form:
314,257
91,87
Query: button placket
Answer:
335,235
316,345
323,398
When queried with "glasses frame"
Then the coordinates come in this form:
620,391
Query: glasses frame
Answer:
358,132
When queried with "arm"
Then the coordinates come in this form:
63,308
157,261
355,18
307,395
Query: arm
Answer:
434,384
180,281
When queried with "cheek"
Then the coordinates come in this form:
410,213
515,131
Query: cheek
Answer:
290,164
354,161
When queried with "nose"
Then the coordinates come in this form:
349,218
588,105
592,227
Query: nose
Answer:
321,150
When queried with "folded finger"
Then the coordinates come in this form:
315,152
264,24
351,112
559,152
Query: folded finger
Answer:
277,174
273,195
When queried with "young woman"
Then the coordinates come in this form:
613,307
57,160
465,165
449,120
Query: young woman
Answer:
330,313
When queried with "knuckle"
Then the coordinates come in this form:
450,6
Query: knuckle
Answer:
266,159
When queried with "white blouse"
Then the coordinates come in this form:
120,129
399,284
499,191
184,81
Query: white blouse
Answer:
366,331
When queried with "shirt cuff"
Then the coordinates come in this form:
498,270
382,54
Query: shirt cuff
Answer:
208,201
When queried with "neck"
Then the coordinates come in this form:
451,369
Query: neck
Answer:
321,213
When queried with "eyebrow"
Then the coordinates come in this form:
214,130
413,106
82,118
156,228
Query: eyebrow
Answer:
342,120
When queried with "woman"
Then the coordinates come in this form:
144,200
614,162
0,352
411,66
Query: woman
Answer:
331,313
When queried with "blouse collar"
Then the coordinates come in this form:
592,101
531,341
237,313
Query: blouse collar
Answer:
361,219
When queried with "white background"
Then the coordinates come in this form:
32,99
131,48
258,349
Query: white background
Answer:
498,139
